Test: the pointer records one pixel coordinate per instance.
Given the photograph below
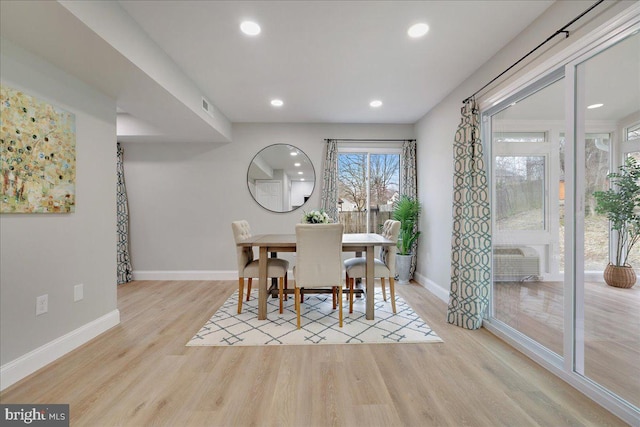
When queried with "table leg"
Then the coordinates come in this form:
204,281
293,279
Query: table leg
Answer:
370,284
262,284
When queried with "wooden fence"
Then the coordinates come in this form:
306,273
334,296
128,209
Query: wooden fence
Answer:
355,222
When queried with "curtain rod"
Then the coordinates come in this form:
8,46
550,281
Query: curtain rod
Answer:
368,140
562,30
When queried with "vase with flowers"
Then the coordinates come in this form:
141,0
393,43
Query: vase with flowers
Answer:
316,217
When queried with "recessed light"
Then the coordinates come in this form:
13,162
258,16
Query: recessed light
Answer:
294,153
250,28
296,165
375,103
418,30
277,102
592,106
300,173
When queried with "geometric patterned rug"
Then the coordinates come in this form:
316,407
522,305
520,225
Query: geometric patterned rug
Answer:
319,323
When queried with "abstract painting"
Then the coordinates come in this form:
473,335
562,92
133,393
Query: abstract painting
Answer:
37,155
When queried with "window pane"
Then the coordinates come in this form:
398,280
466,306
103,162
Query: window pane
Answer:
519,192
368,184
596,227
528,294
633,133
384,186
607,326
518,137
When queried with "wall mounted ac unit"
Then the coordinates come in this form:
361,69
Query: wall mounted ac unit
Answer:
515,263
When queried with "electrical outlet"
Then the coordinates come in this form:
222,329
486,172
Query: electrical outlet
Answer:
78,292
42,304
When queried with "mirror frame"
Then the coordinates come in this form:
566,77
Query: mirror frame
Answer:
290,148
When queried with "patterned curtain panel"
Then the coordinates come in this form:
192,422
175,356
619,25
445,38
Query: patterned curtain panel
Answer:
124,261
409,175
409,186
471,236
329,198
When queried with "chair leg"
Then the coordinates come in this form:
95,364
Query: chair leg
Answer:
240,291
281,291
297,304
249,288
352,282
384,293
340,299
286,286
392,290
334,292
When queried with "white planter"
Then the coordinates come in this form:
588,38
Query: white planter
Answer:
403,268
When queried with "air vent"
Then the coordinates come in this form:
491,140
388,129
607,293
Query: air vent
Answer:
206,106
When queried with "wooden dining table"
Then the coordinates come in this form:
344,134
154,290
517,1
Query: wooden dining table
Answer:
351,242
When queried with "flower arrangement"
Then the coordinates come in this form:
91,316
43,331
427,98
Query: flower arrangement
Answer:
316,217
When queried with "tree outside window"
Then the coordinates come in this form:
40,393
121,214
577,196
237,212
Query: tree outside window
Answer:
368,184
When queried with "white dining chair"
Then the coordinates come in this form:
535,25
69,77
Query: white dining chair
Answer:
318,261
384,265
248,267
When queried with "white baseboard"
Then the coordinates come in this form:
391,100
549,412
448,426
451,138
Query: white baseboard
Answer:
432,287
27,364
186,275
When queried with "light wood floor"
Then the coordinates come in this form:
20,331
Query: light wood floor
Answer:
141,374
611,327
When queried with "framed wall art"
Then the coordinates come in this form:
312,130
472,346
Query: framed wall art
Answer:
37,155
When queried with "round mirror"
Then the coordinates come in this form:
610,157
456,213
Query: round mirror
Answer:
281,178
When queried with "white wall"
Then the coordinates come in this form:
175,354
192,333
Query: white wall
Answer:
183,197
300,189
50,253
436,130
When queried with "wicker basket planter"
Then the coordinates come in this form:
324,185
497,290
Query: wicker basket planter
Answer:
620,277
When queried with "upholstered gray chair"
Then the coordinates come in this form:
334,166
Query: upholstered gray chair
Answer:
318,260
248,266
384,266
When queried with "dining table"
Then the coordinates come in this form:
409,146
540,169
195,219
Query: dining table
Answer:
351,242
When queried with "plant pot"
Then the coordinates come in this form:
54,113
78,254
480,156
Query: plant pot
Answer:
403,268
619,276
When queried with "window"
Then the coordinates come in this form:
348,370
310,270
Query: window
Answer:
633,133
368,185
520,192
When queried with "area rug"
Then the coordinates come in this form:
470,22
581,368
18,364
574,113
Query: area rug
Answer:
319,324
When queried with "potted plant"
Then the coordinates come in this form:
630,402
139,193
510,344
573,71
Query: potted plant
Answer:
621,205
407,211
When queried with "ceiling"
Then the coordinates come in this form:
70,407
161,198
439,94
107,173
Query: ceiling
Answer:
328,59
325,59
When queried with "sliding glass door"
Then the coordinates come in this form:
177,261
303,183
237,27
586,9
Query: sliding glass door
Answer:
552,146
527,203
607,326
368,185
